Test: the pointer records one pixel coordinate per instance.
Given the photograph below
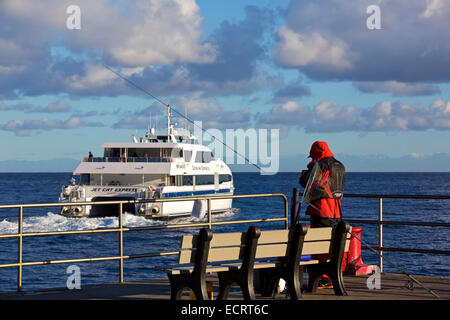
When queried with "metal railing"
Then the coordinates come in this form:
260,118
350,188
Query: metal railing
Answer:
121,229
380,222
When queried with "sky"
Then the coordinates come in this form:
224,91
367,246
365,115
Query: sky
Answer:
372,82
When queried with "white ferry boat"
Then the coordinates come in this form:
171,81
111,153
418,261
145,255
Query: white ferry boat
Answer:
159,166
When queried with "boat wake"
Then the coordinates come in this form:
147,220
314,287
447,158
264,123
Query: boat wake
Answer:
57,222
215,217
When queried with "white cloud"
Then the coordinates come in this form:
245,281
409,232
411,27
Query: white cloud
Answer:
28,126
57,106
163,32
330,117
159,45
416,155
385,116
96,76
296,49
290,113
137,34
397,88
197,106
434,7
329,40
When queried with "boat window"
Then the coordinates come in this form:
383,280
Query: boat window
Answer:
187,155
203,157
206,157
85,179
187,181
224,178
112,152
176,153
162,138
204,179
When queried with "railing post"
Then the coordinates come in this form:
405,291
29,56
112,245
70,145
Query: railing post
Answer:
20,243
120,243
294,205
380,233
209,214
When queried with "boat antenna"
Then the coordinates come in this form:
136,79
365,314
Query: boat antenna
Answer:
185,122
169,108
150,122
169,113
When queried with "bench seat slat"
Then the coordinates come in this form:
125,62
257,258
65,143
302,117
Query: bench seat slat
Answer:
228,239
317,247
317,234
215,254
225,254
273,236
271,250
280,236
218,240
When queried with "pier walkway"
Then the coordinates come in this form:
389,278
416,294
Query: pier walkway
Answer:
393,287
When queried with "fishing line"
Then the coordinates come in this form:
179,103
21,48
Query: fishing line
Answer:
334,223
178,113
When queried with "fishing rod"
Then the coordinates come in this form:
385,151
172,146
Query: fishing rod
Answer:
178,113
334,223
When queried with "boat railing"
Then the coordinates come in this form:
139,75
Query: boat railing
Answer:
121,229
380,222
128,159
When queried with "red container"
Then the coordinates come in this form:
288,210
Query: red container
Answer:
353,264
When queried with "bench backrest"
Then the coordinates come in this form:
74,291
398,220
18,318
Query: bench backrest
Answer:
223,247
271,244
275,243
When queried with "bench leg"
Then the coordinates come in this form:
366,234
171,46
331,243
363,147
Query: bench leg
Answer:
313,279
224,286
294,284
247,288
179,282
338,283
245,281
176,287
335,274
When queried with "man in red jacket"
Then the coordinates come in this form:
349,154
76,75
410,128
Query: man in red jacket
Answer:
327,188
324,192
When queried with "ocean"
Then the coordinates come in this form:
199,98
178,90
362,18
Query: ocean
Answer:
18,188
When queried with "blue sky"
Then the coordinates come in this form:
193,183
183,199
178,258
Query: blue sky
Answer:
312,69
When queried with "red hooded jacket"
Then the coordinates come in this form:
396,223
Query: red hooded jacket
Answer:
328,206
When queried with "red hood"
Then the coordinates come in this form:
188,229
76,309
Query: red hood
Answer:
319,150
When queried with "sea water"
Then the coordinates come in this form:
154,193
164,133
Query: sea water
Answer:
21,188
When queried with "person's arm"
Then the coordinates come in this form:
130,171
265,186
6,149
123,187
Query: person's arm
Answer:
304,177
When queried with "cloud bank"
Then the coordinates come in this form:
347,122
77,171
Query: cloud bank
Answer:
329,40
385,116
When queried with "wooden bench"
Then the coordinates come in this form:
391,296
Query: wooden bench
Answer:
287,247
230,254
235,256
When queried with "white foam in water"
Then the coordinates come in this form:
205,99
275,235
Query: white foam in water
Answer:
56,222
215,217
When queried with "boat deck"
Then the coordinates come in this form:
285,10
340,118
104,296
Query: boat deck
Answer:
393,287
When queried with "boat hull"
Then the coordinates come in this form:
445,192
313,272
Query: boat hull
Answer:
175,209
148,209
